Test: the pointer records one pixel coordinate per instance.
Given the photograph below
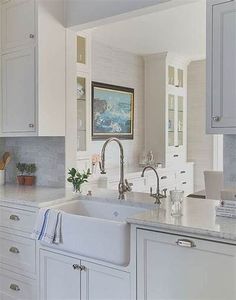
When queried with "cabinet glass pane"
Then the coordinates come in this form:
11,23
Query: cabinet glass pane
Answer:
180,78
81,50
180,120
171,120
171,75
81,114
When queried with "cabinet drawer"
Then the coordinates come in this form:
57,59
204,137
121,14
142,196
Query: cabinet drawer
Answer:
17,252
16,287
17,219
174,157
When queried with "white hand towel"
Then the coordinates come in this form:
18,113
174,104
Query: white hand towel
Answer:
48,226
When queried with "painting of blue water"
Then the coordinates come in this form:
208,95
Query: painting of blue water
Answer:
112,112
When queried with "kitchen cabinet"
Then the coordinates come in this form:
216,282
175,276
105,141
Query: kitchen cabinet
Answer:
59,277
100,282
33,68
16,287
18,24
83,67
17,254
18,91
180,178
166,107
87,280
177,267
221,67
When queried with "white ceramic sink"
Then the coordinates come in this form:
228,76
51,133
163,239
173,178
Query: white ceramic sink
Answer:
97,229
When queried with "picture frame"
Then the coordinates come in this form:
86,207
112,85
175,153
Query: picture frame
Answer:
112,111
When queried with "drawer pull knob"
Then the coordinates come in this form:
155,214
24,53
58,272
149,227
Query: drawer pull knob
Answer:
14,218
14,287
31,36
176,155
78,267
185,243
31,125
164,177
14,250
216,118
184,182
182,172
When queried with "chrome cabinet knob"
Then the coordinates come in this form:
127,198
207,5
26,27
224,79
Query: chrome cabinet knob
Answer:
14,287
31,36
78,267
14,250
31,125
216,118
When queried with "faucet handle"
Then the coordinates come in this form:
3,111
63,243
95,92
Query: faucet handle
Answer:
165,192
128,185
103,172
151,191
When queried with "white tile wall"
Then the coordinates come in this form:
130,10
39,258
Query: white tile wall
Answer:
48,153
117,67
200,145
230,161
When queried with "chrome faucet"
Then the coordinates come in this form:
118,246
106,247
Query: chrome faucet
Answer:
156,195
124,186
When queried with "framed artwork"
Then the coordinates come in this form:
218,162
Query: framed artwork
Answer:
112,111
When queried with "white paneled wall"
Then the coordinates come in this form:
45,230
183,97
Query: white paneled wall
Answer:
200,145
117,67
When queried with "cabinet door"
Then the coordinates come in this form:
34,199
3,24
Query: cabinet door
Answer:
18,27
174,267
103,283
221,60
59,277
18,81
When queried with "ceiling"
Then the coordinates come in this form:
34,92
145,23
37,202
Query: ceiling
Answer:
179,29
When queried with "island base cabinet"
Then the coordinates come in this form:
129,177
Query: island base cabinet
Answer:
103,283
66,278
175,267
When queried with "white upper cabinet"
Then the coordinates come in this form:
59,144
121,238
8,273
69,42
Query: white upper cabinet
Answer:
18,91
33,68
18,24
166,107
221,67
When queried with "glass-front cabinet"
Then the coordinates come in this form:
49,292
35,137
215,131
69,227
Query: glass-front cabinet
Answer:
175,76
171,120
180,124
176,127
83,99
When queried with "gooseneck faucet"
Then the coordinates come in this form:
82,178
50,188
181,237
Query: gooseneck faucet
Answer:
156,195
123,186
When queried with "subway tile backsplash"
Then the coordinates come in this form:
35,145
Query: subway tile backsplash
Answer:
48,153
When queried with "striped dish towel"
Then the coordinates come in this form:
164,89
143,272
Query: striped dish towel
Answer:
48,226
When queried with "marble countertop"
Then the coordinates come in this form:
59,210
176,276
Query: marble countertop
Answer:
199,218
34,196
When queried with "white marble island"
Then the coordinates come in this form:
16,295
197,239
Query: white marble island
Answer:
199,218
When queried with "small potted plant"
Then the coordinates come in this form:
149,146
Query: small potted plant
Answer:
30,169
21,170
77,178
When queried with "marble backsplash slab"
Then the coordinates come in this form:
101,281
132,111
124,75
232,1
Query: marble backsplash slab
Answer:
48,153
